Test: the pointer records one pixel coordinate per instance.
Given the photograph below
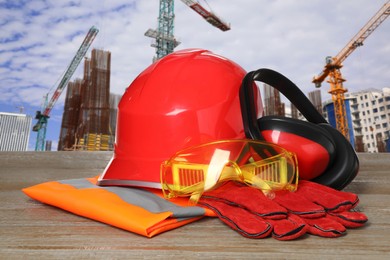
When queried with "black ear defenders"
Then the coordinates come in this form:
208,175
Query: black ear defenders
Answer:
324,155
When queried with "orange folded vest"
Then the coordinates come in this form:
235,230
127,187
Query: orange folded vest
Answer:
142,211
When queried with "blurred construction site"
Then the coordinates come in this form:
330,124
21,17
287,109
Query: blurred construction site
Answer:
89,117
273,105
88,121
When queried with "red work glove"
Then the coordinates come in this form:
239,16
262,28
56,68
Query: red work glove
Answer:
326,212
251,214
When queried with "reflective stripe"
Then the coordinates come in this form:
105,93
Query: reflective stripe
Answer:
141,198
142,184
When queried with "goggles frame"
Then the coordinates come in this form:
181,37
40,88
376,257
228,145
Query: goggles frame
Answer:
259,164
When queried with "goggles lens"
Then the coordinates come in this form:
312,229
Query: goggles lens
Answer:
263,165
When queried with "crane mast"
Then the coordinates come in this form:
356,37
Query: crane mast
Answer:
334,64
165,41
42,117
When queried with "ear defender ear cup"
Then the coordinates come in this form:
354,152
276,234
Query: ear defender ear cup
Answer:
324,154
314,147
345,165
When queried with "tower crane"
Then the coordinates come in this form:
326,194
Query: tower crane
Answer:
334,64
43,117
165,41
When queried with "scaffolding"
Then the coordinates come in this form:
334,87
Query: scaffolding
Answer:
95,108
70,117
86,123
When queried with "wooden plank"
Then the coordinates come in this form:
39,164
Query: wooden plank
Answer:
29,229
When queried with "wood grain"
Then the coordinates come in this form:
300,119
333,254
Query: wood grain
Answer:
31,230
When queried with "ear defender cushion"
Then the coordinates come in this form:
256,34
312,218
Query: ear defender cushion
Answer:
313,146
346,163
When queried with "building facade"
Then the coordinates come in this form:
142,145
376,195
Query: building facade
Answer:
368,116
331,118
370,110
272,102
14,131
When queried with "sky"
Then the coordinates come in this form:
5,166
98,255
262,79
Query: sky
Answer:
38,39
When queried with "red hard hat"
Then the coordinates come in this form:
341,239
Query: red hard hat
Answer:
187,98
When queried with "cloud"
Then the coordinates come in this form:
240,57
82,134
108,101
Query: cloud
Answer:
38,39
291,36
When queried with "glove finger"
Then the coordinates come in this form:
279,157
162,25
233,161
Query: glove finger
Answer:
350,219
249,198
298,204
239,219
290,228
331,199
325,227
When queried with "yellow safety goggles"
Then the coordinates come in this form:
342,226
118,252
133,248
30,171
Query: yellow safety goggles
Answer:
263,165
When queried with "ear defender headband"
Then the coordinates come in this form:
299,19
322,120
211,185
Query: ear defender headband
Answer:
324,155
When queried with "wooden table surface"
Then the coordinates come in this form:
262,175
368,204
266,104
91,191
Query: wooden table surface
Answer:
31,230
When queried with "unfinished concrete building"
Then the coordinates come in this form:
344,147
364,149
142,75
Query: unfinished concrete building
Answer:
316,100
86,119
114,102
70,117
272,103
294,111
